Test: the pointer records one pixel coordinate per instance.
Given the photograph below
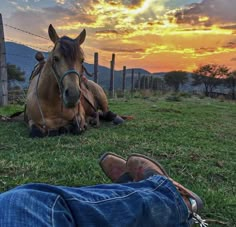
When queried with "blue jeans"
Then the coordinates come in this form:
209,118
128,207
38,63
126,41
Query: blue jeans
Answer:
151,202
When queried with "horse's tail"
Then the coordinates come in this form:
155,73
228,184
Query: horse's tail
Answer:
15,117
18,116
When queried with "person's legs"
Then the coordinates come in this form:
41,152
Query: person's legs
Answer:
141,167
34,205
151,202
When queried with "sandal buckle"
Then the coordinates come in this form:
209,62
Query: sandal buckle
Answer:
198,220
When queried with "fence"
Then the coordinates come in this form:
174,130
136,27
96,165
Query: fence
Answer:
130,81
16,96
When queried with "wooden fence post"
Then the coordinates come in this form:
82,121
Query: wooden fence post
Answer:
148,80
132,80
151,83
123,79
96,67
142,85
3,68
111,90
139,81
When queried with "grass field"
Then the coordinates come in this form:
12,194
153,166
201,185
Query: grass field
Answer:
195,140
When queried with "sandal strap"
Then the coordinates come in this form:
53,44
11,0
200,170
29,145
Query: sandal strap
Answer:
198,220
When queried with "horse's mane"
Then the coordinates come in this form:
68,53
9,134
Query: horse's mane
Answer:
70,49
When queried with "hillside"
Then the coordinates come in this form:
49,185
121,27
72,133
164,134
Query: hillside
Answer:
23,57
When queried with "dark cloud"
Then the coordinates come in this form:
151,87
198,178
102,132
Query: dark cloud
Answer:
107,32
128,3
65,15
38,21
32,21
232,27
135,3
110,31
203,50
231,45
151,23
218,11
114,3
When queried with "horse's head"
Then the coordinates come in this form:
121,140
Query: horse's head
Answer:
67,63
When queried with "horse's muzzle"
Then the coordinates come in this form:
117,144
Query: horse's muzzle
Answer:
71,97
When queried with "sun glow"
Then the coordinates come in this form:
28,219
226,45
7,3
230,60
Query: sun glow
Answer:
147,31
203,19
146,5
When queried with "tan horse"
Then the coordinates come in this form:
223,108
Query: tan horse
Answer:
59,96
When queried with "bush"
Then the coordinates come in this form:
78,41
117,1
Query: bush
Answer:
185,95
173,98
119,94
202,96
221,98
146,93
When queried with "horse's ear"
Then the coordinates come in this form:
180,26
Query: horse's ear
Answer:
52,33
81,37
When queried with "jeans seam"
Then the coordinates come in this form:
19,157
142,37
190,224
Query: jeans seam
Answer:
177,202
120,197
53,206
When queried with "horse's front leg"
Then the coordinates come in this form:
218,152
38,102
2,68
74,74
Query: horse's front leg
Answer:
94,119
35,131
97,119
82,121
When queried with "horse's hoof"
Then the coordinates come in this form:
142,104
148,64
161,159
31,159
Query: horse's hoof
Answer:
118,120
35,132
93,122
107,116
76,130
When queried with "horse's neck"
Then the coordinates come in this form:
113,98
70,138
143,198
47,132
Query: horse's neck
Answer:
48,88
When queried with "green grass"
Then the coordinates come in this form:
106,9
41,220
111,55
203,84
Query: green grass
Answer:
195,139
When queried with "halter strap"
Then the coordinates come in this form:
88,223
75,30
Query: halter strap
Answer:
60,79
67,73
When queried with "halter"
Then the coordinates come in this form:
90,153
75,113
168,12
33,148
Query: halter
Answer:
60,79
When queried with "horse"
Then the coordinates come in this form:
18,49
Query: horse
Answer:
59,97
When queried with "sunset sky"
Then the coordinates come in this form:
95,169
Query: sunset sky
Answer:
157,35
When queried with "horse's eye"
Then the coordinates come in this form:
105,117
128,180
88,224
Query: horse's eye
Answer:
56,59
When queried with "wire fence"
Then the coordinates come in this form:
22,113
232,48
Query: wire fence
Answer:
24,31
14,93
23,43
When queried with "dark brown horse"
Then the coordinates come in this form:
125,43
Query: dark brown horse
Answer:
59,97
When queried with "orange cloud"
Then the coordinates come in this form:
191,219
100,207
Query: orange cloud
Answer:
143,33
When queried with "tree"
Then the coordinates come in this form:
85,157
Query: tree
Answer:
231,83
175,79
158,84
143,82
15,73
210,75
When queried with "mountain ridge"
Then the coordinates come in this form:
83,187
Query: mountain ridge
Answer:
23,57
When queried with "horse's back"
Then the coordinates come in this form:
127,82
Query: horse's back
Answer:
99,95
31,98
